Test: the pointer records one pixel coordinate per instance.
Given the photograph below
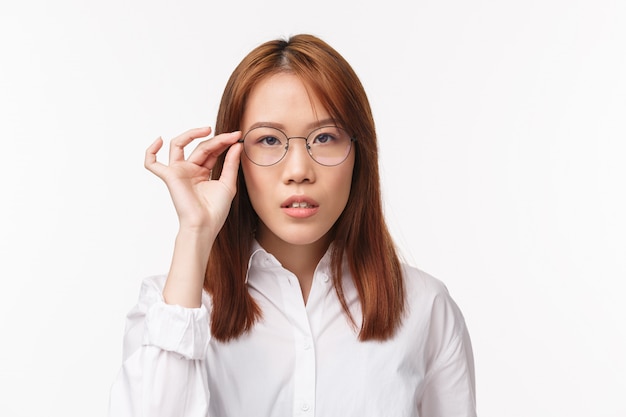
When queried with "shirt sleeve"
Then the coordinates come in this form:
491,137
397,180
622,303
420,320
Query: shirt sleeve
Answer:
449,386
163,372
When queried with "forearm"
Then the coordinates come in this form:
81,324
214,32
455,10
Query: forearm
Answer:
202,205
186,276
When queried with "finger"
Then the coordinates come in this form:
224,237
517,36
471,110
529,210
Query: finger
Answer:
207,152
177,145
231,166
150,159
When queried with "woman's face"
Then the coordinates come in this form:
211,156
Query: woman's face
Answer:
297,200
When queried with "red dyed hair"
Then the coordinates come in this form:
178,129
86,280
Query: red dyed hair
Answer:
360,234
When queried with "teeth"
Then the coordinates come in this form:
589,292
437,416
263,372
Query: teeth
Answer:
299,205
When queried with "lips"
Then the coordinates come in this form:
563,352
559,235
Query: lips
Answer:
300,207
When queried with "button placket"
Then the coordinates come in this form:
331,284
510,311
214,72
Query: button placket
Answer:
308,344
304,375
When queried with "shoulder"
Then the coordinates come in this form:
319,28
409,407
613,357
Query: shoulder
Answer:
429,302
420,284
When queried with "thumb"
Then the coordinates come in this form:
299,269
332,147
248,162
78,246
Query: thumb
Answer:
230,168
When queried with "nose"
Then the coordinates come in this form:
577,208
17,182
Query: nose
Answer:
298,164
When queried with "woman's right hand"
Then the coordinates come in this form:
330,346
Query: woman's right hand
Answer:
202,203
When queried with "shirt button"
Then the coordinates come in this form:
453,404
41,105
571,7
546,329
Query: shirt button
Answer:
307,344
305,407
325,278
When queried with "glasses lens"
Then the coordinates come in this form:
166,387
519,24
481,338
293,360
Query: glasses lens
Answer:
329,145
265,145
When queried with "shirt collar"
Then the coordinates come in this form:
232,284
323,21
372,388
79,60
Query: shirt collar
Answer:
260,257
256,251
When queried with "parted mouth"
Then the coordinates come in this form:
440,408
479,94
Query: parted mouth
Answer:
299,202
302,204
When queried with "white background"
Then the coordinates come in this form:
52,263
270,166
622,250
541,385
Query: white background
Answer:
502,128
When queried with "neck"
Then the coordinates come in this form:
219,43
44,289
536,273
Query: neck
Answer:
301,260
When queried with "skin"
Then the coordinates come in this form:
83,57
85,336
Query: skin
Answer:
297,242
202,205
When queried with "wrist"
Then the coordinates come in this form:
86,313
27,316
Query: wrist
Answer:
196,233
186,276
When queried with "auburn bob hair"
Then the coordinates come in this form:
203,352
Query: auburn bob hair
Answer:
360,235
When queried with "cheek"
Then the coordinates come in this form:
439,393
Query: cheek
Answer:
343,183
255,185
348,172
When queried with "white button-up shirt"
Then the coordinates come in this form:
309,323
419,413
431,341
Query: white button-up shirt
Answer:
298,360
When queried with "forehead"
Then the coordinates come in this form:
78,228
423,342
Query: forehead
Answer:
283,100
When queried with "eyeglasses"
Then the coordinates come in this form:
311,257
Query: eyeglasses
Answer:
327,145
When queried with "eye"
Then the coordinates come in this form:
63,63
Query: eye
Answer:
269,141
323,138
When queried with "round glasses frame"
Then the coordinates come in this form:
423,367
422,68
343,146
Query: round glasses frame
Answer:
308,140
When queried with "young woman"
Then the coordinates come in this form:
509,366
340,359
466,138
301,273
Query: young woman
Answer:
285,294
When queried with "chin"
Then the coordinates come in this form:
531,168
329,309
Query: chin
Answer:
302,239
296,236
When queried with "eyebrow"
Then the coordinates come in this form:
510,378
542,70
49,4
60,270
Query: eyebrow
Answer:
319,123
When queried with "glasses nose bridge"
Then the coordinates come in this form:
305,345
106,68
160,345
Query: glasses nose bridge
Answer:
306,139
306,143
